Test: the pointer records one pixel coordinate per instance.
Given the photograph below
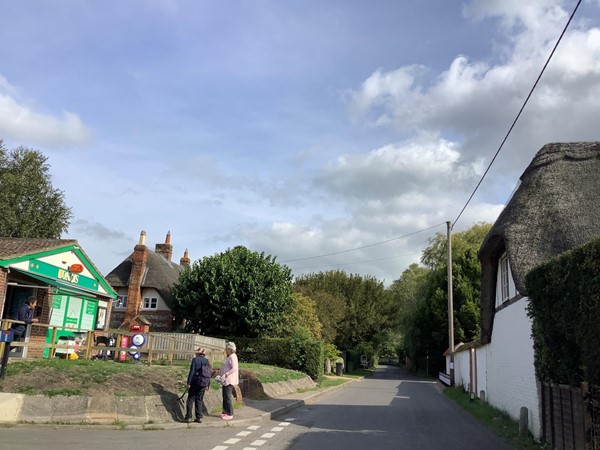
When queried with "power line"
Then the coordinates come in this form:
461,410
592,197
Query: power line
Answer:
364,246
520,111
357,262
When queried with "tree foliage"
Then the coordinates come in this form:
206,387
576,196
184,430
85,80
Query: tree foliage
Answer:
301,315
426,324
361,306
30,206
235,293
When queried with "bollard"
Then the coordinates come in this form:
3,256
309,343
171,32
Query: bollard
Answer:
523,422
482,396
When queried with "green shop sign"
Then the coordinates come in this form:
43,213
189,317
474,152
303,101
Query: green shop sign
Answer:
50,271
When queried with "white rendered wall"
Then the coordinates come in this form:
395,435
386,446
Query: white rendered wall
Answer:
461,369
511,381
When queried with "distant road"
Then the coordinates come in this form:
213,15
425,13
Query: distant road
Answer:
392,410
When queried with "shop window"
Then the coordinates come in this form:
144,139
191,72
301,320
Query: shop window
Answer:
121,302
150,303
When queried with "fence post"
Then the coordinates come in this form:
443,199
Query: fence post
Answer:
88,344
52,344
150,343
523,422
171,350
587,417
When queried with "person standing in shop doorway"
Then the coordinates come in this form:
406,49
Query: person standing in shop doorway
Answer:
24,314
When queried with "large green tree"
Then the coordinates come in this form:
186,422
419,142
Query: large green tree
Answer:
426,325
30,207
365,309
235,293
300,317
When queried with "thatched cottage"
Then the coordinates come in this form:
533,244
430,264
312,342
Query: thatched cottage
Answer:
555,208
143,283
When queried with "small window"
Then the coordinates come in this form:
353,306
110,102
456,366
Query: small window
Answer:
121,302
504,277
150,303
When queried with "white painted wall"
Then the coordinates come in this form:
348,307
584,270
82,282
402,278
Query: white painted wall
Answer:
511,381
505,368
153,293
461,369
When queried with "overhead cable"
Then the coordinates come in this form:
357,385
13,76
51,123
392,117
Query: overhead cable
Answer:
364,246
520,111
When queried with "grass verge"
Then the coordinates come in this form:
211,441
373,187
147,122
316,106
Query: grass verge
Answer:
504,425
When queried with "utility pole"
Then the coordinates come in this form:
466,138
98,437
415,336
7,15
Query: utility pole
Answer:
450,304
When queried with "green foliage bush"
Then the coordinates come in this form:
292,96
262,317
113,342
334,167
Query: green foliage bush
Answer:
298,352
565,308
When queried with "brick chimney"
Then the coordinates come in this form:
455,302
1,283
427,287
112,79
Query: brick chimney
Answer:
138,270
185,261
165,249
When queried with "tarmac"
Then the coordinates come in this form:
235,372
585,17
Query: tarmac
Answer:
151,412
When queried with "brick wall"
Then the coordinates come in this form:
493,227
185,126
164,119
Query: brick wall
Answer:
134,293
160,321
3,280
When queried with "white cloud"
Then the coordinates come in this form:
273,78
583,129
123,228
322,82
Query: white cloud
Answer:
417,166
21,122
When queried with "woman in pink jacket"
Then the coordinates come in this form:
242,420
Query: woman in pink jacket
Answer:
230,373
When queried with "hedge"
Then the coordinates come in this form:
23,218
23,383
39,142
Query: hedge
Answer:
565,309
305,355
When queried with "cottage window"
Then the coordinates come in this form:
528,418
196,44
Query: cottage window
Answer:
504,283
150,303
121,302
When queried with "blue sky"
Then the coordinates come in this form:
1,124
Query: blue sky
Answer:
295,128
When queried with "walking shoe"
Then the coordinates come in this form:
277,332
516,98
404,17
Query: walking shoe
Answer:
226,417
198,420
188,420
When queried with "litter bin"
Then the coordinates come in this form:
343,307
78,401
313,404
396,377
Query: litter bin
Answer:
338,368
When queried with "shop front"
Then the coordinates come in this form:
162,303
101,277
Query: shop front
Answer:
72,296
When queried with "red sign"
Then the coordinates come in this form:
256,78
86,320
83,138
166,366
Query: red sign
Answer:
76,268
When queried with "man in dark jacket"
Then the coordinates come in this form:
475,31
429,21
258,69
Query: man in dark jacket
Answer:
24,314
198,381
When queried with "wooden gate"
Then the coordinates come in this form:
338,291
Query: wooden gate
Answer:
566,418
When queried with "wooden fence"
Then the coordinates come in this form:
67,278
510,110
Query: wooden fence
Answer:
569,419
93,344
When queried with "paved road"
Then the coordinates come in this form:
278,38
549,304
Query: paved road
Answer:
391,410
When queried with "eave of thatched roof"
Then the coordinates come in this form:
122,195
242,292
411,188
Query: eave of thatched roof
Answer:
555,208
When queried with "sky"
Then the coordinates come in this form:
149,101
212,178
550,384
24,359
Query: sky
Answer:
338,134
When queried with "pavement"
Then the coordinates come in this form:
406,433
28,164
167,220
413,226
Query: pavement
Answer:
149,412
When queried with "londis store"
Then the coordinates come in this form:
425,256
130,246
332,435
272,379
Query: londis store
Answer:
72,295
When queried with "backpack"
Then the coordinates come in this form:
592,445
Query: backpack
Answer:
203,375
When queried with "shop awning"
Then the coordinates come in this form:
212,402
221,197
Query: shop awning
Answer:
65,287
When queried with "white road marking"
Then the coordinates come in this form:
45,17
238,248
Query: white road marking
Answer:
232,441
254,427
290,419
276,428
248,448
258,442
244,433
220,447
284,424
268,435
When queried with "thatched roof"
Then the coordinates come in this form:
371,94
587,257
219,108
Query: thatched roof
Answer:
555,208
16,247
160,274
